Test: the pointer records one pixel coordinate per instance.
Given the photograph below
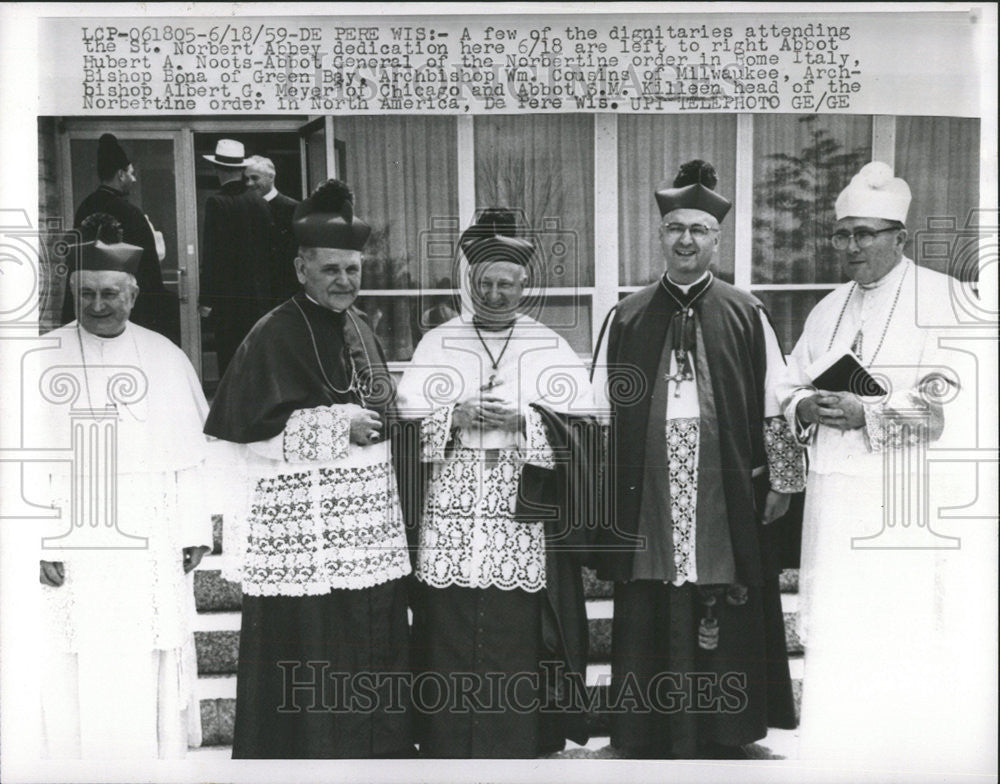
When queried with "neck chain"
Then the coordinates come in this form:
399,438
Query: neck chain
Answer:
86,376
495,362
683,336
355,384
885,329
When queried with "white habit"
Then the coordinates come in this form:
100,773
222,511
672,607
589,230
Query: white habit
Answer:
884,653
117,650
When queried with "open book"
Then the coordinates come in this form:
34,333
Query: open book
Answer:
842,371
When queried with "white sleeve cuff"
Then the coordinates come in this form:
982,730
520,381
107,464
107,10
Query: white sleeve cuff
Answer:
785,457
435,434
318,434
537,449
803,433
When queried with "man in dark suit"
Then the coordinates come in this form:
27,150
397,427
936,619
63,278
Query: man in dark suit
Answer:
238,242
260,176
155,308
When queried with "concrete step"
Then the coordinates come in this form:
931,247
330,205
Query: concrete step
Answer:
217,631
217,721
779,744
213,594
216,534
594,588
217,641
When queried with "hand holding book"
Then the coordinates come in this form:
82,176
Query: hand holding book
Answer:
840,410
842,371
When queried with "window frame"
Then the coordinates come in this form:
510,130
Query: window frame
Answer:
606,291
883,149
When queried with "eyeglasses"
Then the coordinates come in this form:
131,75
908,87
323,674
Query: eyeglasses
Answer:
862,237
699,231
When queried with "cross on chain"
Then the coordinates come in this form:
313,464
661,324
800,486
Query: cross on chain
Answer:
683,371
491,384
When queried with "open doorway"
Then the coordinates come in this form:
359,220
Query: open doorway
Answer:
283,148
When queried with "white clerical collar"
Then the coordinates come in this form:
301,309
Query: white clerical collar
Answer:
103,340
271,194
892,276
686,287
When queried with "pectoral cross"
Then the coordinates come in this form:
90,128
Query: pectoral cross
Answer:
683,330
491,384
683,371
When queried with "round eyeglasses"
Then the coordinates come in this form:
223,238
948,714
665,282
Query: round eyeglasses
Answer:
699,231
863,238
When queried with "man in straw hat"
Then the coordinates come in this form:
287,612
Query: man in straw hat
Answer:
875,610
696,436
155,308
237,260
486,387
119,669
315,535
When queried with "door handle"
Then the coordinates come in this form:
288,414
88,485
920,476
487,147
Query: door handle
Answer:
182,284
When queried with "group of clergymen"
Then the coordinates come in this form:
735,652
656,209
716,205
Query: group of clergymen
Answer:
492,472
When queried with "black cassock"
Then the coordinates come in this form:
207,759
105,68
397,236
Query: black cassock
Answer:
284,283
237,265
274,373
691,698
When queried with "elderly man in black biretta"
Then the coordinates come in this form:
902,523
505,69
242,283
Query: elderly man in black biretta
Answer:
117,603
317,536
493,598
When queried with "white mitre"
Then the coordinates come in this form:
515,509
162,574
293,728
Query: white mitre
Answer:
874,193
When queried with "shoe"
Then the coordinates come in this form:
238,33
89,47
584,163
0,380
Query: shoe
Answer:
720,751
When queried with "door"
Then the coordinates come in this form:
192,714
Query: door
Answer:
155,193
280,145
323,156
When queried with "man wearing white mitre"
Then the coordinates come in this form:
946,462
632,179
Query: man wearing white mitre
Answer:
887,660
487,576
118,661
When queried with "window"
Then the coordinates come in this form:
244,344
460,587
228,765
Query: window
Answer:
650,150
586,182
800,165
403,171
544,165
938,157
